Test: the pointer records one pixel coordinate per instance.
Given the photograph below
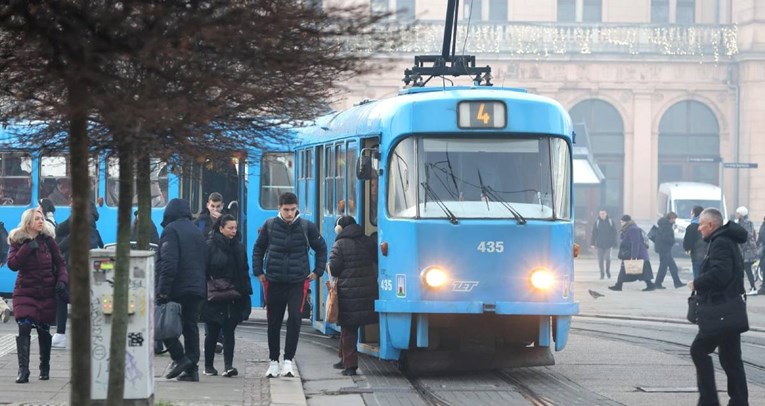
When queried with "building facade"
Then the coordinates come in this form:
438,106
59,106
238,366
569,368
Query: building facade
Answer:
666,90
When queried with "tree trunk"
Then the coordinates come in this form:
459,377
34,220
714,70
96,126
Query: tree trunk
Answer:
115,395
79,279
143,189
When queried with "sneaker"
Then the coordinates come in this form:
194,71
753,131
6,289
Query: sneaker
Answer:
218,348
273,369
229,372
658,287
189,375
176,368
349,372
616,288
338,365
58,341
287,369
210,371
6,314
752,292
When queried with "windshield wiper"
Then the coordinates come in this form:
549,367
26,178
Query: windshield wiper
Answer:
492,195
439,202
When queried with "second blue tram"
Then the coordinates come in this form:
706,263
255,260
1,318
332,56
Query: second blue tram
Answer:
468,191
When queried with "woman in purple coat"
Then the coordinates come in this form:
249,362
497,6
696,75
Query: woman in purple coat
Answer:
34,254
633,246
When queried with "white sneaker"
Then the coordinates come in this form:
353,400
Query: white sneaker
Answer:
273,369
58,341
752,292
6,314
287,369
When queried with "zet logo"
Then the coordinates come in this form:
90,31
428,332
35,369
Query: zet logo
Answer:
463,286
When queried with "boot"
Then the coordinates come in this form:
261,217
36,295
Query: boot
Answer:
45,341
22,349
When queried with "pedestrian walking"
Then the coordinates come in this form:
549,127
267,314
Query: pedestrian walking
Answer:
604,237
353,262
286,276
693,244
720,270
42,273
227,260
761,250
63,231
748,247
181,278
633,246
663,243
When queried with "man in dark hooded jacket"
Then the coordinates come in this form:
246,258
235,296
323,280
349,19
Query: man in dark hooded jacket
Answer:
665,239
721,273
180,277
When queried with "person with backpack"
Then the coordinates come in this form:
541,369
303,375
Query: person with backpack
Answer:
604,238
663,242
634,245
286,276
749,247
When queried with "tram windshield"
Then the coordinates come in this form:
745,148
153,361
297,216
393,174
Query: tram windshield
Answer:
455,178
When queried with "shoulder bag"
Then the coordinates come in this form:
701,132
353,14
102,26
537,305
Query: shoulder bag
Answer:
221,290
167,321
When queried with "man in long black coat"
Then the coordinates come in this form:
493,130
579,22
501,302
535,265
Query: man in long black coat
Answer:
180,270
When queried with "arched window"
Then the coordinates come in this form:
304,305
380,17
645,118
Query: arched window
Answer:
688,129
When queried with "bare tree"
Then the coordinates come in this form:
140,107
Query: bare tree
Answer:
202,78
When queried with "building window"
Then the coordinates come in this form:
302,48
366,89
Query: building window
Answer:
566,11
472,10
688,129
592,11
686,12
498,10
379,6
405,10
660,11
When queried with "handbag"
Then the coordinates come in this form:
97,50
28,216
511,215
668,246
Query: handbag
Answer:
332,306
221,290
167,321
625,251
726,317
634,266
692,307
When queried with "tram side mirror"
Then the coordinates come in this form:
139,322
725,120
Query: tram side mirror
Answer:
364,169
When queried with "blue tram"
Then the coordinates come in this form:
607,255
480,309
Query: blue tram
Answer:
249,182
469,193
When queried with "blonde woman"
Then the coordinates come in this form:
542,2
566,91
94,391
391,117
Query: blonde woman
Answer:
41,269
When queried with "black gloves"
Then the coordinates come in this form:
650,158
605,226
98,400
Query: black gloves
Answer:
33,244
162,299
60,287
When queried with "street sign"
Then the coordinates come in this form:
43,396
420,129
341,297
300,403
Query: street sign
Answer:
739,165
705,159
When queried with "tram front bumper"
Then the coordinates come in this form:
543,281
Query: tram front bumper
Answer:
508,308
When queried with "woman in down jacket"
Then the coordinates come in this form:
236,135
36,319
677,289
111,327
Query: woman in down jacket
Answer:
353,262
633,246
227,259
41,269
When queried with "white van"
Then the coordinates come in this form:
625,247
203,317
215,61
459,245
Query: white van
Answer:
680,197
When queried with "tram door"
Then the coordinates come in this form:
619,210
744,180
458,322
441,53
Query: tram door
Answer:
222,176
370,334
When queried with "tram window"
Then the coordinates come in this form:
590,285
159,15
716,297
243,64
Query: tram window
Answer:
329,174
277,176
159,183
402,191
340,209
55,183
15,179
561,176
352,156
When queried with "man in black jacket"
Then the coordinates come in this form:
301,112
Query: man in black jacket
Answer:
180,270
722,271
693,244
604,238
286,276
665,239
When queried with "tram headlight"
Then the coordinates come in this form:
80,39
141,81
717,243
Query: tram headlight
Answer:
542,279
434,277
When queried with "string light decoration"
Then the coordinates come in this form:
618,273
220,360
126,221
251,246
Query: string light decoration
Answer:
706,42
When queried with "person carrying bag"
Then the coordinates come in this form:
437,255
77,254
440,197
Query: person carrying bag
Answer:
718,308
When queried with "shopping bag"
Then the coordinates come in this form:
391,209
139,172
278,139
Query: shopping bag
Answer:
167,321
633,266
332,306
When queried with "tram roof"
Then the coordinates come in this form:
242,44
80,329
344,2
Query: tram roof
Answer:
421,110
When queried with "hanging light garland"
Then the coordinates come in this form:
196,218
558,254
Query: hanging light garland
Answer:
703,41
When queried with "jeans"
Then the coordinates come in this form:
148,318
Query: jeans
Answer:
190,308
729,349
666,261
749,274
604,261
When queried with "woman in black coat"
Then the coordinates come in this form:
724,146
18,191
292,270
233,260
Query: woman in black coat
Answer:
353,262
226,259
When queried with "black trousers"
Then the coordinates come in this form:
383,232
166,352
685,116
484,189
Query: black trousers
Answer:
749,273
281,297
190,309
211,338
729,349
666,261
62,313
